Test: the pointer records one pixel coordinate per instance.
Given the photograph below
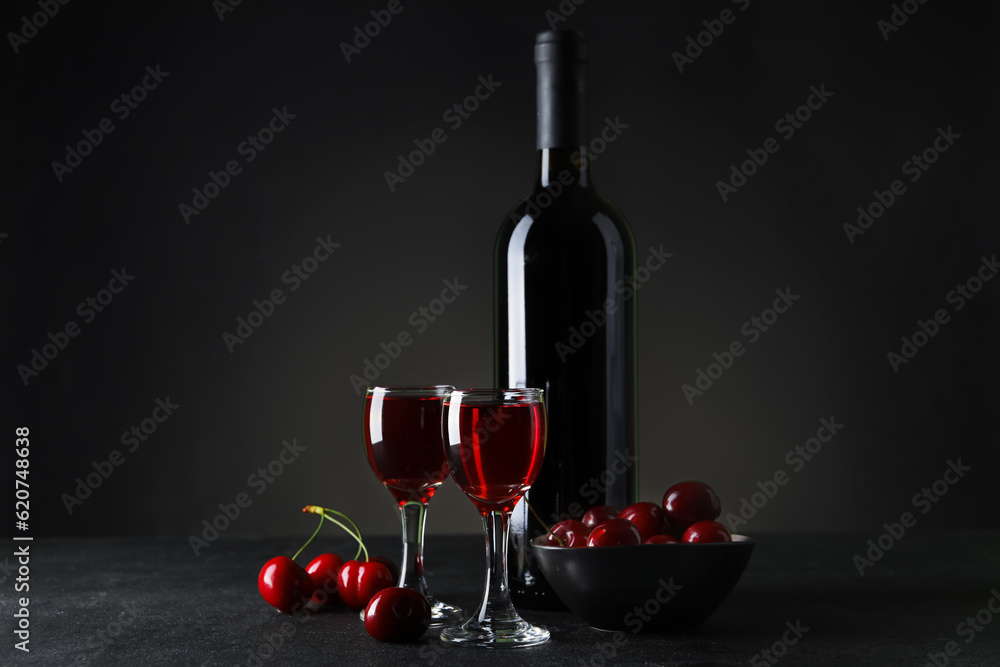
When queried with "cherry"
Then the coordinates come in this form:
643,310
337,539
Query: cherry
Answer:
599,514
358,582
324,570
284,584
689,502
572,532
397,615
389,563
649,518
662,539
616,532
707,531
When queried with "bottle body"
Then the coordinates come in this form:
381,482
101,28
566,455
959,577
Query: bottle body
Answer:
565,321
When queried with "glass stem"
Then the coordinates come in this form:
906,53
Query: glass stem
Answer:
411,575
496,607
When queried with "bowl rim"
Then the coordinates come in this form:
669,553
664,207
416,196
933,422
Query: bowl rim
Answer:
737,539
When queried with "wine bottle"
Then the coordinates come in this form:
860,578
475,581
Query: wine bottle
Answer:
565,318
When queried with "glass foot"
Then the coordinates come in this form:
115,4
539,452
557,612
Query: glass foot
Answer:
444,614
509,634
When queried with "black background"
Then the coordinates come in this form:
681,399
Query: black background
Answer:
323,176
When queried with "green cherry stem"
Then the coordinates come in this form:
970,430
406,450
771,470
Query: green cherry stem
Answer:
309,541
326,514
328,511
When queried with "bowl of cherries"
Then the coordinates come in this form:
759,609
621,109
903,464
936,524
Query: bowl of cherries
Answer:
648,568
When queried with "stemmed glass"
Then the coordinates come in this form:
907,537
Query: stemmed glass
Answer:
495,444
403,439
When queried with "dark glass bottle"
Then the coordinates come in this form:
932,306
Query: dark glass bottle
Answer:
565,318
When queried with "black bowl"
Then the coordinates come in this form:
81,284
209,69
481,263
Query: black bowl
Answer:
645,588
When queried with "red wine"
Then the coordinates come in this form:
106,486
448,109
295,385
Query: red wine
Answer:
565,319
403,438
496,452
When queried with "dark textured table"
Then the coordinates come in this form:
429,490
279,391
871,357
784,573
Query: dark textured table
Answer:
111,601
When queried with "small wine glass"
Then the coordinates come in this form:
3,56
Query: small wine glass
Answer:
403,439
495,443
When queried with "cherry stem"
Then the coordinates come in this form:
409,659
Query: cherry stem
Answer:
325,514
309,541
541,521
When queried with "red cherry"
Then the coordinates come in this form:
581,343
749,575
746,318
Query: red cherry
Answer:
599,514
707,531
358,582
324,570
690,502
662,539
284,584
573,533
649,518
397,615
616,532
388,562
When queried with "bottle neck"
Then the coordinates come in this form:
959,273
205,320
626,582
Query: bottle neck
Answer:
568,167
561,98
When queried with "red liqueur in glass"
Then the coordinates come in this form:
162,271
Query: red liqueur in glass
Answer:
403,435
